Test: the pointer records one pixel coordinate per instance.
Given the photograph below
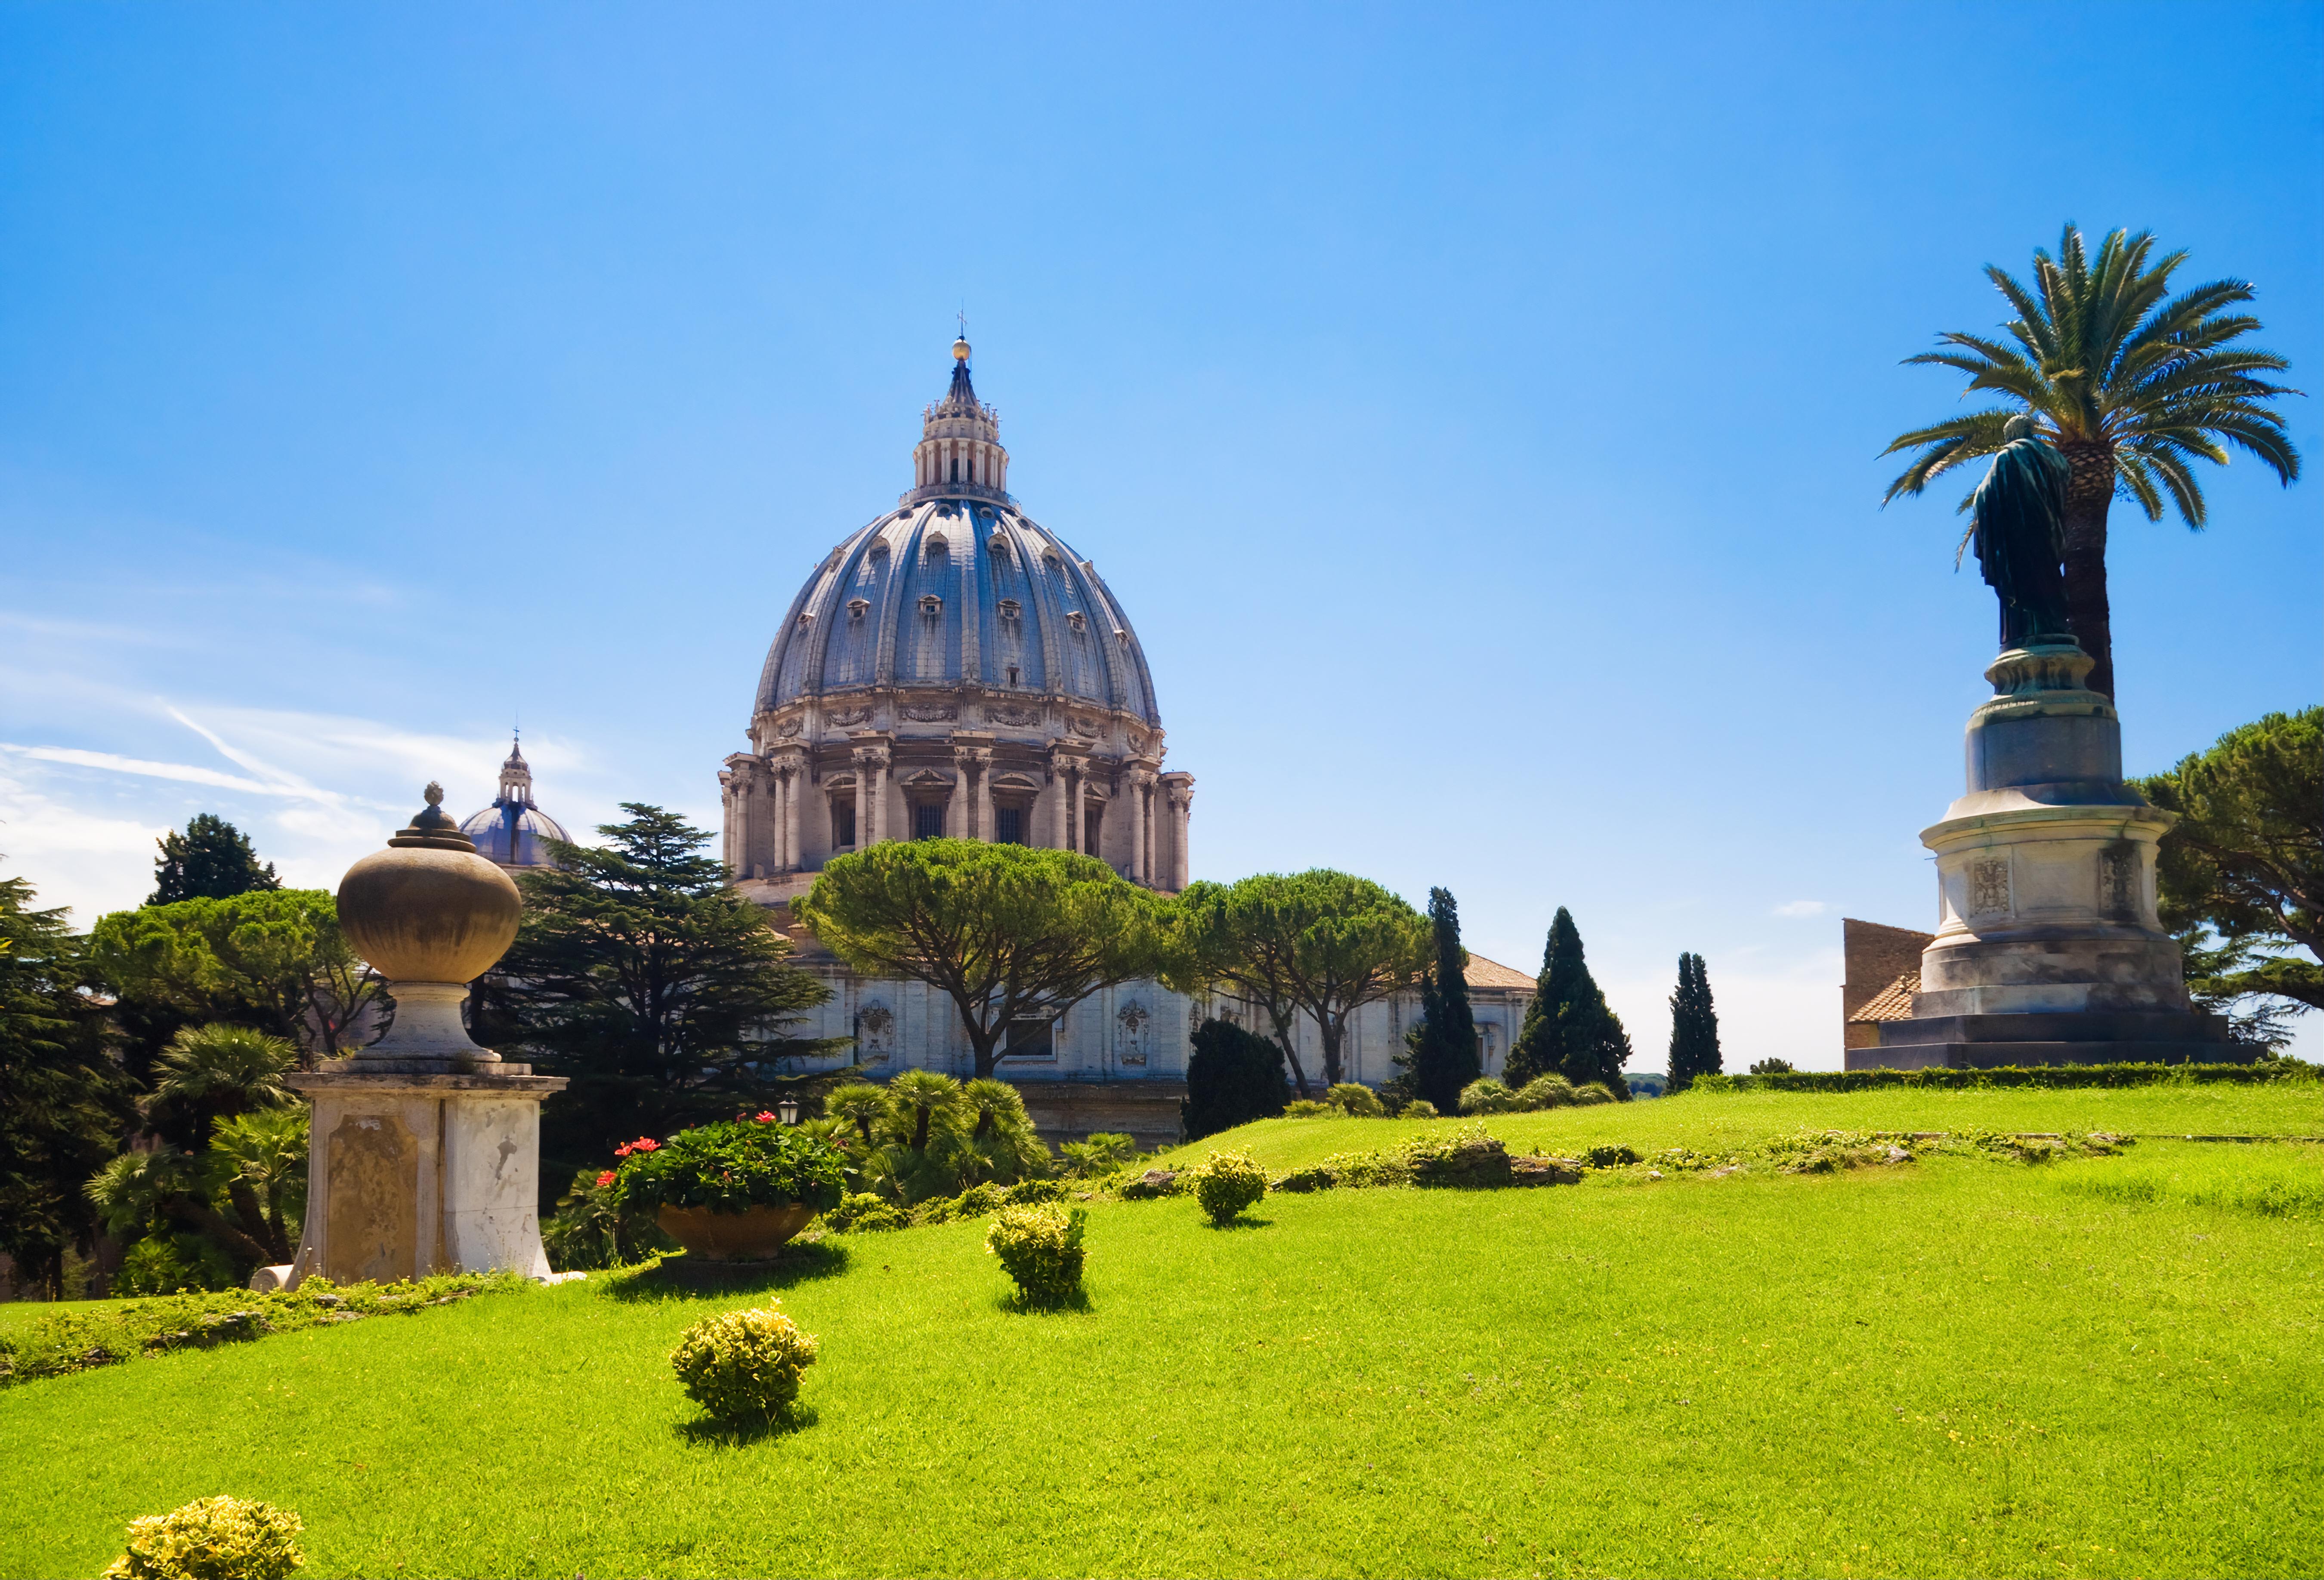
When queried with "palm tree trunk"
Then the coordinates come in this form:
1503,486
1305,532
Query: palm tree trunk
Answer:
2088,492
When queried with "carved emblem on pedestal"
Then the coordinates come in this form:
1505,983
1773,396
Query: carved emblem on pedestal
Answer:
1989,887
2118,885
1130,1022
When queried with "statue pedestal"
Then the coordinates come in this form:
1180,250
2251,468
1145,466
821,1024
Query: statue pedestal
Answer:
411,1174
2048,949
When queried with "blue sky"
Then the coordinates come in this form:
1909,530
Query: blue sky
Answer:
1477,409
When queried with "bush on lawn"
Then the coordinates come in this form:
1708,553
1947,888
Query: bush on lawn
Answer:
2054,1078
1040,1248
862,1213
212,1539
1228,1183
743,1365
1615,1156
1233,1077
162,1264
1306,1109
1488,1094
1104,1152
1355,1101
1418,1108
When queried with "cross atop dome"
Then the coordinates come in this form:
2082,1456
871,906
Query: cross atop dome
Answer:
959,456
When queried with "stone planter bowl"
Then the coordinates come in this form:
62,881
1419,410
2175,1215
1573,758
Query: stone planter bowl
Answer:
752,1234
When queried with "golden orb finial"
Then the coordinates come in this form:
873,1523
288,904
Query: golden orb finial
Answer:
960,350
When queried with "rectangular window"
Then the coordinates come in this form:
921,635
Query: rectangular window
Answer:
927,821
1090,832
1009,828
843,825
1031,1039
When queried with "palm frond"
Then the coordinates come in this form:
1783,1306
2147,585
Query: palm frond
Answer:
2170,465
1947,446
2130,477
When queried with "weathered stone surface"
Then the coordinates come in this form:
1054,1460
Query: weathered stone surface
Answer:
1541,1171
1470,1162
1152,1184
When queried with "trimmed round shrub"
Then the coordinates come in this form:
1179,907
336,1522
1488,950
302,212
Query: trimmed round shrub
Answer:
1418,1108
1597,1091
212,1539
1545,1091
1039,1246
862,1213
743,1365
1488,1096
1356,1100
1228,1183
1307,1108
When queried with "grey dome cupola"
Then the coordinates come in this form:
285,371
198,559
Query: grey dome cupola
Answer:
510,831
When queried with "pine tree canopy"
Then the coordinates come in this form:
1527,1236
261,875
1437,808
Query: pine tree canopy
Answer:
211,860
1570,1030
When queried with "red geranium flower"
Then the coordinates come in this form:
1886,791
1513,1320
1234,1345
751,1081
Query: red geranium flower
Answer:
621,1152
645,1143
762,1117
604,1178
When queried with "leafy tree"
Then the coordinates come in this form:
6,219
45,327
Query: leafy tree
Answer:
1772,1067
63,1104
216,1072
1569,1029
1440,1055
2242,874
273,959
2131,384
1233,1078
1694,1025
211,860
1320,943
641,977
1008,932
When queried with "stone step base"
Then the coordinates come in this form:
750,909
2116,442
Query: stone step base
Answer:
2092,1025
1996,1055
1068,1110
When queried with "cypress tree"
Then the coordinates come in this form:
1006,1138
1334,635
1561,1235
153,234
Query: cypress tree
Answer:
1443,1047
1570,1030
1233,1077
211,860
1694,1025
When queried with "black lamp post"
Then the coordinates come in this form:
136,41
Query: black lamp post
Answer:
788,1110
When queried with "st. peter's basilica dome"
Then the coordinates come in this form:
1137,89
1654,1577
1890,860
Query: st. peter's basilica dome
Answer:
954,667
510,831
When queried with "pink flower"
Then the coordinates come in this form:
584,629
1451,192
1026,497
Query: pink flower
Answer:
622,1152
645,1143
762,1117
604,1178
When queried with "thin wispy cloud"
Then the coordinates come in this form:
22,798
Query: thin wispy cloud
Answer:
1800,908
113,763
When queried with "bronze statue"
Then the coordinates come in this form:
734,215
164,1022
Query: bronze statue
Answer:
2020,511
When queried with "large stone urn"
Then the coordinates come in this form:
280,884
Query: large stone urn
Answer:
424,1153
2048,948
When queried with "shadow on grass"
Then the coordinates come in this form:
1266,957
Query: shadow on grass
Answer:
1025,1305
1243,1221
705,1430
675,1278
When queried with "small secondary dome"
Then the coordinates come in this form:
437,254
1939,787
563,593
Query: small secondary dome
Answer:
511,831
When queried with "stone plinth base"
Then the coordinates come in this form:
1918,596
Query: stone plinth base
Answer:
1990,1042
1068,1110
411,1174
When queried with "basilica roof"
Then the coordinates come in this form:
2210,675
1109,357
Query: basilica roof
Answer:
956,588
512,829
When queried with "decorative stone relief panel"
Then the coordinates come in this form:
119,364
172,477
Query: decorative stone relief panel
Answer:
2118,885
374,1232
1131,1023
847,718
875,1032
1989,887
1000,713
930,712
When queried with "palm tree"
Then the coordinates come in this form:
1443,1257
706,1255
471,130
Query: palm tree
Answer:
217,1071
2131,385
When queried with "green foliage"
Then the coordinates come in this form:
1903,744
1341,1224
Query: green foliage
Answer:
2245,866
1040,1248
136,1193
925,1136
1611,1156
1356,1100
728,1166
1420,1108
1772,1067
63,1103
274,958
162,1264
1322,943
1233,1078
211,860
861,1212
2053,1077
1545,1091
259,1163
1694,1025
1309,1108
743,1367
212,1539
1488,1095
213,1072
1006,932
80,1338
2132,384
1101,1154
1441,1057
1569,1030
1226,1184
592,1229
643,977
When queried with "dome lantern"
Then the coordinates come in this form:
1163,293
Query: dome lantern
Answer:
509,832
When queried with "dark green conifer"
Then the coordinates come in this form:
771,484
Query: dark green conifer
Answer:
1570,1030
1233,1077
1694,1025
211,860
1443,1049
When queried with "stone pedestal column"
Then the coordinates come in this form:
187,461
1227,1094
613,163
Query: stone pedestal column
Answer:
425,1149
2048,948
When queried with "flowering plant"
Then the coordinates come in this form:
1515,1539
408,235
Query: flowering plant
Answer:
729,1166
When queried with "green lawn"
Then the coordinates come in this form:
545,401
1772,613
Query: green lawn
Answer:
1961,1366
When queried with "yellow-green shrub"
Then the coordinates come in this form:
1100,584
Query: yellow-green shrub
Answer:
1039,1246
212,1539
743,1365
1227,1183
1355,1100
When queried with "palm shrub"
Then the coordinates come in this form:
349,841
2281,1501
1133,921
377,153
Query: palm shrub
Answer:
260,1160
1488,1094
1545,1091
1418,1108
1040,1248
1355,1101
1226,1184
162,1264
2132,384
217,1071
1101,1154
212,1539
743,1367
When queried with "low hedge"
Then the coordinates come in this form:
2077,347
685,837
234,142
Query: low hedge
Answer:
2053,1077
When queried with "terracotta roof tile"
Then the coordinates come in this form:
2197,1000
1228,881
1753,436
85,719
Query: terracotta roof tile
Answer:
1485,973
1892,1003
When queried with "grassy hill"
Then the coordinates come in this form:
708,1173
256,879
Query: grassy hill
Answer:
1957,1365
